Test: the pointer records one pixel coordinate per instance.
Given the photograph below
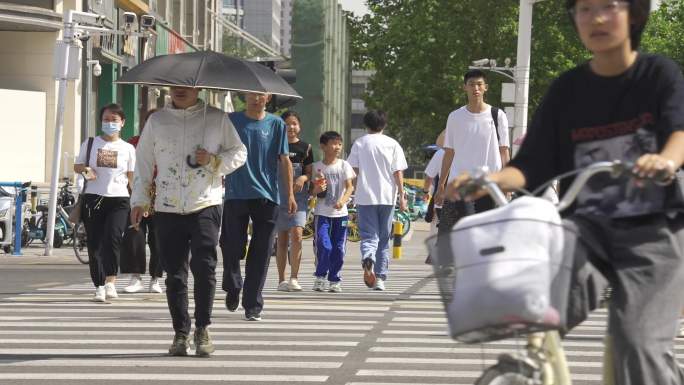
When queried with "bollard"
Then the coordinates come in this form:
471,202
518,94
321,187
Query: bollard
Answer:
398,229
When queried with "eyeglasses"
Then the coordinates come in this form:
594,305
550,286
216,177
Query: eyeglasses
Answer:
584,13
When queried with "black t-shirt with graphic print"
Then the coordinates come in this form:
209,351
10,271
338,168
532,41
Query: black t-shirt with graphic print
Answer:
585,118
300,153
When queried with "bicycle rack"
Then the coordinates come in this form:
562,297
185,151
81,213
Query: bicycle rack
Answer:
18,204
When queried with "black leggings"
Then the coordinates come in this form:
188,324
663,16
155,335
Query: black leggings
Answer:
105,220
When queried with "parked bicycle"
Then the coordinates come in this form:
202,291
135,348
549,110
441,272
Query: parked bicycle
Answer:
533,304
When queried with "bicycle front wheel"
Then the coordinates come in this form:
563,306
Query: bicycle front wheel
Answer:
503,375
80,243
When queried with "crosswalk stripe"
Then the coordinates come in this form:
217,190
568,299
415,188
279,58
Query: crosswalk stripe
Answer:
107,332
70,341
214,326
189,363
161,377
126,352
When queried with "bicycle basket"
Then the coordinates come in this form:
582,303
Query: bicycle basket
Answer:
502,273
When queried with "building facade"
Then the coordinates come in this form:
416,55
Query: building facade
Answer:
29,30
320,56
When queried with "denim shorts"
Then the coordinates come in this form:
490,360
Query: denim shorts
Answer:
286,221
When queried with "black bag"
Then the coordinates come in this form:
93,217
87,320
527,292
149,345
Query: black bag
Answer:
430,214
76,215
495,117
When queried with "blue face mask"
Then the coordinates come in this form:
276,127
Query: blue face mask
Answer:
111,128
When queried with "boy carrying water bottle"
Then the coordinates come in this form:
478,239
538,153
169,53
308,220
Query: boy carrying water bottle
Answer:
333,187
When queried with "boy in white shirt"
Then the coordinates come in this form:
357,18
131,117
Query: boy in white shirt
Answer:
380,162
333,186
472,140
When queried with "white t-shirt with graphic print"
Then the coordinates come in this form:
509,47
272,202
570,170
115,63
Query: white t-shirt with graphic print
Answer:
336,175
110,161
473,139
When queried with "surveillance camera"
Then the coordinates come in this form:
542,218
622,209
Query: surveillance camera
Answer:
129,18
147,21
507,62
97,69
481,62
492,63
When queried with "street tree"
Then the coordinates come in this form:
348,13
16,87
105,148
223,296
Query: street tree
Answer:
421,49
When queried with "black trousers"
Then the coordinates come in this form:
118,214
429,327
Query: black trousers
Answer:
177,236
236,216
133,255
105,220
453,211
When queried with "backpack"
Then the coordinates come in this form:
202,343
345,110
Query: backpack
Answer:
495,117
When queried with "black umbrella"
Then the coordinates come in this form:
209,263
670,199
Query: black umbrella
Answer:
208,69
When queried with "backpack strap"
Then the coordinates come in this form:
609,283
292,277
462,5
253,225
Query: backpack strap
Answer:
495,117
87,162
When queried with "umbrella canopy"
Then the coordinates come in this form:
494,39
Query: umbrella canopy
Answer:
208,69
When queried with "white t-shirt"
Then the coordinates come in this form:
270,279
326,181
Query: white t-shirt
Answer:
434,167
473,140
111,161
377,157
336,175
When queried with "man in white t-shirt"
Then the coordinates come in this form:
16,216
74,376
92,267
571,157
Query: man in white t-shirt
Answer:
472,140
379,161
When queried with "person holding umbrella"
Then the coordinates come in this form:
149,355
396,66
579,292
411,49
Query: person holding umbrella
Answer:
252,192
193,146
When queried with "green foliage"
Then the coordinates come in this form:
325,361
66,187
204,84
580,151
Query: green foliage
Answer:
665,31
421,49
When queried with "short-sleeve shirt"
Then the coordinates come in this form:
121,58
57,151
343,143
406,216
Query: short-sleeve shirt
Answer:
111,162
266,141
300,152
377,157
586,118
473,138
434,167
336,175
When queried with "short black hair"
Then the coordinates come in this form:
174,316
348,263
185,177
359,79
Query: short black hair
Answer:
375,120
290,113
639,12
330,135
114,109
474,74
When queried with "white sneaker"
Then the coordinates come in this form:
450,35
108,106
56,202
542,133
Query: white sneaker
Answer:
135,285
379,284
154,286
110,290
293,285
319,283
283,286
335,287
99,294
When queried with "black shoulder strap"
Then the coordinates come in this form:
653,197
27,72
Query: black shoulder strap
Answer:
87,162
495,117
90,147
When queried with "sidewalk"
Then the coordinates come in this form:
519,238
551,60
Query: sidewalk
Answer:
413,250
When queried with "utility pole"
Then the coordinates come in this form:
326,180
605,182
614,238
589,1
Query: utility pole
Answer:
67,67
522,70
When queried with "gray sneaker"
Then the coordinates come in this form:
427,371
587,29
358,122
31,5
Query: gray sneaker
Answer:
180,345
203,345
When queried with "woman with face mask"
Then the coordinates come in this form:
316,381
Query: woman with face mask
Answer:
109,173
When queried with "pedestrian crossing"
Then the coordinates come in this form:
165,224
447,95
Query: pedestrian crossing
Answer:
57,335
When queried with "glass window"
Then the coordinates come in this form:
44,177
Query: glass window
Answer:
357,90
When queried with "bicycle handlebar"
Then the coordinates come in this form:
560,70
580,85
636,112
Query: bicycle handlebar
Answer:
616,168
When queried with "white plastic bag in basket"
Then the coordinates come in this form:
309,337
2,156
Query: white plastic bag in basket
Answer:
505,260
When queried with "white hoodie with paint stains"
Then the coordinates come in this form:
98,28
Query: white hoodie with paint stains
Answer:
169,136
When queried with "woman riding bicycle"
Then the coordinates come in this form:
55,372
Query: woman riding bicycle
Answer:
625,105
